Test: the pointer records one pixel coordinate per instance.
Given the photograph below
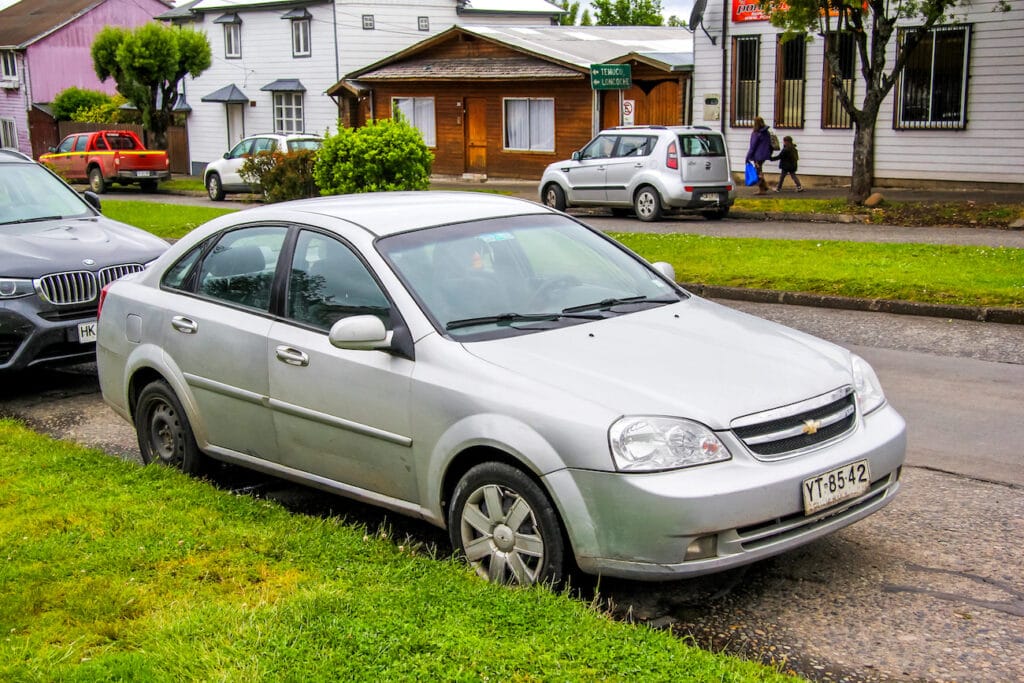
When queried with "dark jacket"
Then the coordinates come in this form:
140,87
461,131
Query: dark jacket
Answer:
787,158
760,145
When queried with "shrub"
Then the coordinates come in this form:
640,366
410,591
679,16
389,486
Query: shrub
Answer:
282,175
381,156
107,112
68,101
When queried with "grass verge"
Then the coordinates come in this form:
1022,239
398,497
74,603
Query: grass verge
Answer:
118,572
169,221
966,214
971,276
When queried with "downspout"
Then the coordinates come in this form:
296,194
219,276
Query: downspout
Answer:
725,67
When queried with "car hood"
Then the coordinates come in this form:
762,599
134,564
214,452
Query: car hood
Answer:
34,249
694,359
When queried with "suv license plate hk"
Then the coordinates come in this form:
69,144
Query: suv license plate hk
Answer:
835,486
87,332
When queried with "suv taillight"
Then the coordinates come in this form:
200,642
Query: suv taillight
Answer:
672,156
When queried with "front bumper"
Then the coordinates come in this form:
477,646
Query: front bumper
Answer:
639,526
28,338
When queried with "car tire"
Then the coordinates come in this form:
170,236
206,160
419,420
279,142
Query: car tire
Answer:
528,551
554,197
148,185
163,430
716,215
97,183
647,204
214,187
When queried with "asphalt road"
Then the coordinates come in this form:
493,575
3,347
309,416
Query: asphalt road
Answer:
928,589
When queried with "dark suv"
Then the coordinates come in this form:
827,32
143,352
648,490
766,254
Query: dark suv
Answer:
57,251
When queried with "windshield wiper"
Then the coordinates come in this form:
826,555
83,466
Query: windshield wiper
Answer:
509,318
608,303
33,220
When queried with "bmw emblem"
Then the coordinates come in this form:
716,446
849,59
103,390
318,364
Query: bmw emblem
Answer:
89,262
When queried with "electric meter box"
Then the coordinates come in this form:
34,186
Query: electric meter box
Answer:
712,108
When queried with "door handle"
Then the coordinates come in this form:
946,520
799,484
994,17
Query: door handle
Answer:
287,354
638,164
184,325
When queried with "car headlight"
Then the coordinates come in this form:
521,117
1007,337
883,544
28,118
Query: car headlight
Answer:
648,444
866,385
12,288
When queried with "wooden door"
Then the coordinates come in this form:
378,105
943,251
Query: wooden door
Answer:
476,135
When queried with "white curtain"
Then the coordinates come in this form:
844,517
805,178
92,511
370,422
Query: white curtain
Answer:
530,124
419,112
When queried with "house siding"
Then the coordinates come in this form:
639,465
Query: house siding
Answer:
989,149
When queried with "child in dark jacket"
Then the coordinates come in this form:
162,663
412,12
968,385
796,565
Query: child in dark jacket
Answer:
788,158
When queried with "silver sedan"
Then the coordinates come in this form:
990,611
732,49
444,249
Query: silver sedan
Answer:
502,370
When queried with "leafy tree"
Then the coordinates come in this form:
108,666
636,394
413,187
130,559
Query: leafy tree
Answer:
70,100
384,155
676,21
147,64
572,16
872,25
628,12
107,112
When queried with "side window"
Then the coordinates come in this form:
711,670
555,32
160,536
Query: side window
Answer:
67,144
240,268
599,148
634,146
240,150
81,143
262,145
328,282
175,276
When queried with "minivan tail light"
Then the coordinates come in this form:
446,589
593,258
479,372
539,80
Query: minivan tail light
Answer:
672,156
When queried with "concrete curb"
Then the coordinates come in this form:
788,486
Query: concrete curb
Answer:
1008,316
795,217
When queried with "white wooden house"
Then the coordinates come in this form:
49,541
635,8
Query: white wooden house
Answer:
954,116
273,60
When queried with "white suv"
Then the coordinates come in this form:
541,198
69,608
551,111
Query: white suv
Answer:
649,169
221,176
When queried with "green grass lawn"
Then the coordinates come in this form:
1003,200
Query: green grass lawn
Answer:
112,571
973,276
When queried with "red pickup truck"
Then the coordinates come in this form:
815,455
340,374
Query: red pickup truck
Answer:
108,156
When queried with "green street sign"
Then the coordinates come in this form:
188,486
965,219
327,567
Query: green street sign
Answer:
610,76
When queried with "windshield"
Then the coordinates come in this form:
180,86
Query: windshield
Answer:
28,192
522,274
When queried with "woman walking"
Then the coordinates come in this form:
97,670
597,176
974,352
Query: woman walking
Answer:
760,151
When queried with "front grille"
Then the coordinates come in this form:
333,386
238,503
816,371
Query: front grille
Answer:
783,431
80,286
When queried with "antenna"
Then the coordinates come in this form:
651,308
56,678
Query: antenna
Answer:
697,19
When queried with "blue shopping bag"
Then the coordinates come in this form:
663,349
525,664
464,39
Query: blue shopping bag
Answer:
751,178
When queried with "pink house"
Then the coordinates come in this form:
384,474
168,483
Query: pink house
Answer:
44,48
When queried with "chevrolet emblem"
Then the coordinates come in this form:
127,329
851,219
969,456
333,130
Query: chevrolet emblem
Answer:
811,426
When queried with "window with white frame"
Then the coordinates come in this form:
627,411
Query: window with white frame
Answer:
10,65
300,38
367,22
419,112
745,74
232,41
288,116
8,134
933,86
530,124
423,23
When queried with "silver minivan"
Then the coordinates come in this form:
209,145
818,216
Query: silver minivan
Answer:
651,170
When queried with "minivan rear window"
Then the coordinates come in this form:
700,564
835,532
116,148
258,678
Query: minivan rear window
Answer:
702,145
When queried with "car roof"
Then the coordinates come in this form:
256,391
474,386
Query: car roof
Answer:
13,155
387,213
673,129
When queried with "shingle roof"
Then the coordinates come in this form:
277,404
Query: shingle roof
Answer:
471,69
27,21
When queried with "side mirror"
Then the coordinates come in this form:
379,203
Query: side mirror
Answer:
227,155
52,149
92,199
665,269
576,155
360,333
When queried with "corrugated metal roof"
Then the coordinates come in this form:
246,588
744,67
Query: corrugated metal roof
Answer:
29,20
509,7
471,69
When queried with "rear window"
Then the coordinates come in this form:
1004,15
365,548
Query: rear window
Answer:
702,145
